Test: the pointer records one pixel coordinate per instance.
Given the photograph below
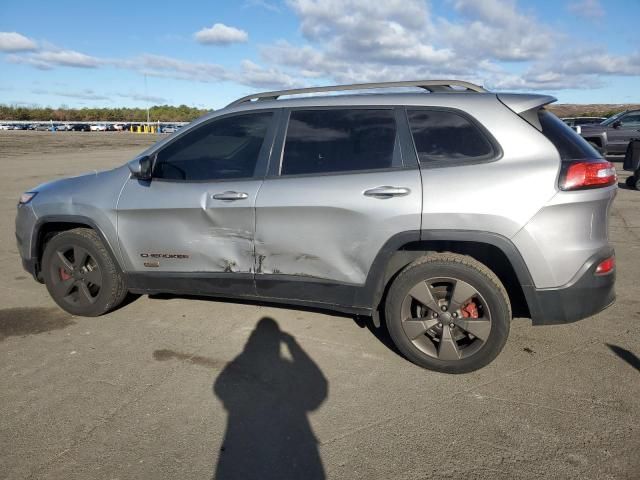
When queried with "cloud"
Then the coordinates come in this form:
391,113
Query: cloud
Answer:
86,94
48,59
590,9
14,42
144,98
220,34
272,7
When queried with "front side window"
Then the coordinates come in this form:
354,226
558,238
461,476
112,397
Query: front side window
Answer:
324,141
222,149
443,136
631,119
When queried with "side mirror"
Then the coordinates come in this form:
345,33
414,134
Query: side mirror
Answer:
617,124
140,168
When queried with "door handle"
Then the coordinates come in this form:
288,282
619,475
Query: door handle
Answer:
387,192
230,196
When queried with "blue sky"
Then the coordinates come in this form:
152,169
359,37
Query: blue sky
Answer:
206,54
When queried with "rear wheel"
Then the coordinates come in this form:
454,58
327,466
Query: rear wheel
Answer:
80,275
448,312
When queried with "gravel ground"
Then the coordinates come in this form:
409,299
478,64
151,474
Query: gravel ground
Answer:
164,388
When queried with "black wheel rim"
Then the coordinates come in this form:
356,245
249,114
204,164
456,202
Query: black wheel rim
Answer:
76,276
446,318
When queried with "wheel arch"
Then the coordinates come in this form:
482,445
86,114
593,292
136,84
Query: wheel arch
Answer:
46,227
495,251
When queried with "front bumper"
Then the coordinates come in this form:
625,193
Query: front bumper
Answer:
25,225
583,297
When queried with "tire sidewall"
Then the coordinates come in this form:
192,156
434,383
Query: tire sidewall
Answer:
500,315
101,304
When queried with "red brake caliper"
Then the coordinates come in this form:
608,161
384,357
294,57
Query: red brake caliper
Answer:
470,310
64,275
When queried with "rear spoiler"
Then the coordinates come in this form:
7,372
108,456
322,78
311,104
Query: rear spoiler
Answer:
526,105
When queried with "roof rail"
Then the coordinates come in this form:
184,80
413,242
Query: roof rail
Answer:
430,85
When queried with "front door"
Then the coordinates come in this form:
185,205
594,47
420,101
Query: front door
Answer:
196,216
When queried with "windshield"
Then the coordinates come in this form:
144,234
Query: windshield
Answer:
613,118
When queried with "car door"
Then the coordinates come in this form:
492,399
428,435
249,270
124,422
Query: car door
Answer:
341,183
620,136
196,215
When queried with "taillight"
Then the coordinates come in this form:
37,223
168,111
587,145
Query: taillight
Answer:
579,175
606,266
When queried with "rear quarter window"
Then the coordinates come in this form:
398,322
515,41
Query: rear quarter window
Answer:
569,144
443,137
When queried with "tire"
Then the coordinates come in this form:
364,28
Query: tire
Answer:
631,182
442,280
636,182
80,274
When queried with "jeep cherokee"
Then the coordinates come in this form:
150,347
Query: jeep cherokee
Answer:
439,212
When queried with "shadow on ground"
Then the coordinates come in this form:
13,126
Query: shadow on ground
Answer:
626,355
267,396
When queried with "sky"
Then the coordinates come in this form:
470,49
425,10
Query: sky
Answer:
205,54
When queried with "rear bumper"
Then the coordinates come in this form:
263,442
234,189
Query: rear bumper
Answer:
583,297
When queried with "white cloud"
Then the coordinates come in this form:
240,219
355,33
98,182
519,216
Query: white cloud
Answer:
591,9
86,94
220,34
14,42
48,59
272,7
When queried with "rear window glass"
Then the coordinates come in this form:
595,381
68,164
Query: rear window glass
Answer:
324,141
569,144
443,136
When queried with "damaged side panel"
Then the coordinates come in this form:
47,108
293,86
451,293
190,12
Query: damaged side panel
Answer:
184,229
324,227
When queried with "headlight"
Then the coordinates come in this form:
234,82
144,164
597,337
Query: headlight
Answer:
26,197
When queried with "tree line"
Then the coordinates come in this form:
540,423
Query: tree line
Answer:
163,113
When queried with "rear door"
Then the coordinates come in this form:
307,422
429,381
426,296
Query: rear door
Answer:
342,182
196,215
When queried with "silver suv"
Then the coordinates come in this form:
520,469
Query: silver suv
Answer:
439,213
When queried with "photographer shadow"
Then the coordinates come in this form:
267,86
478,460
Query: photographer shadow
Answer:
267,397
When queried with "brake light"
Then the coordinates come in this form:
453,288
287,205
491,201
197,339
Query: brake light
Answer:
587,174
606,266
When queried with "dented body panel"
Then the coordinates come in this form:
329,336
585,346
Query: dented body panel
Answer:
161,222
325,227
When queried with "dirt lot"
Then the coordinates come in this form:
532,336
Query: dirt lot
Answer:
139,393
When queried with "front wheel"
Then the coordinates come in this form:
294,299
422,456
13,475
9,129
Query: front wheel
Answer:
80,275
448,312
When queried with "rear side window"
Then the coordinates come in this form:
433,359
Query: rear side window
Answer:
221,149
569,144
442,136
325,141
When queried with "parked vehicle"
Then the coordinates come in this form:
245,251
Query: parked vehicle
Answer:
579,121
632,163
98,128
613,135
6,127
80,127
42,127
444,212
169,128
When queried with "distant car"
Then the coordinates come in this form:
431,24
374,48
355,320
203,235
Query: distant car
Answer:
20,126
169,128
98,128
79,127
42,127
613,135
579,121
117,127
6,127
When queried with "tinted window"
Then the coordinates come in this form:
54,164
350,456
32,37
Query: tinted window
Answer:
321,141
570,145
222,149
445,136
631,119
